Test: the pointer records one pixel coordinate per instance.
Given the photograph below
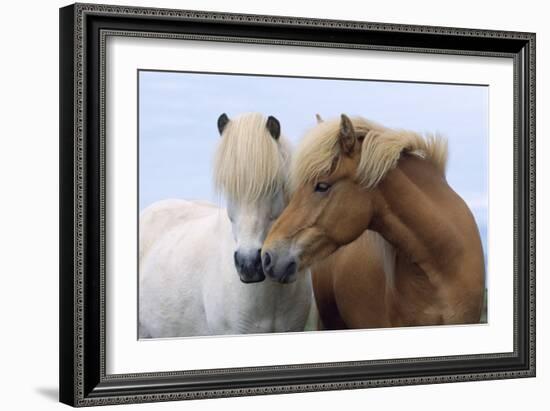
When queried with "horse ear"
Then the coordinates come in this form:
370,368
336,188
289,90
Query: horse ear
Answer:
274,127
346,135
318,118
222,122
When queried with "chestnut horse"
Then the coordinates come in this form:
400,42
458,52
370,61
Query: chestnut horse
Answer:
404,247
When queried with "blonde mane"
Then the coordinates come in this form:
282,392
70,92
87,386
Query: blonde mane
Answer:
249,163
381,149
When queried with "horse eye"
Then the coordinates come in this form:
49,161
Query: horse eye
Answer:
322,187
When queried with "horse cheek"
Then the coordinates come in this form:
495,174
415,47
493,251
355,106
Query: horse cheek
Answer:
351,222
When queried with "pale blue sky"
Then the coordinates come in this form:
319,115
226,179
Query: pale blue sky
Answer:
178,132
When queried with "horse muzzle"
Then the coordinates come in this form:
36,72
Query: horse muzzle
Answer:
249,267
279,267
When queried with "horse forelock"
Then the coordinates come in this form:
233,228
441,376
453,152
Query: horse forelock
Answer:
381,147
319,151
249,163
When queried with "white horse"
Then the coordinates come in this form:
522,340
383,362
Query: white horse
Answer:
200,266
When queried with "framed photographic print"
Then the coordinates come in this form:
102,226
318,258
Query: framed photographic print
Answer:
261,204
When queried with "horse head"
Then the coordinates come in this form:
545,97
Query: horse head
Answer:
251,170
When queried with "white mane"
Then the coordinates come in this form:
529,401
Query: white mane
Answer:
249,163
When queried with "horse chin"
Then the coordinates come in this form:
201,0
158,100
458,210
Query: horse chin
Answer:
284,279
257,277
288,279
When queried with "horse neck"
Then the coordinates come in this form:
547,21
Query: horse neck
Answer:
409,217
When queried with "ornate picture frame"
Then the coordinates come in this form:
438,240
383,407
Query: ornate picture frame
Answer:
84,29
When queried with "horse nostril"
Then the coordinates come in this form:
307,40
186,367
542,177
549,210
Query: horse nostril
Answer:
237,260
266,260
290,269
